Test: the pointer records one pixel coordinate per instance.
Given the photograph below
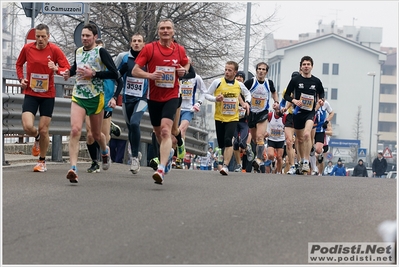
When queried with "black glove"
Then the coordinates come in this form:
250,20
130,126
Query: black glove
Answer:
325,125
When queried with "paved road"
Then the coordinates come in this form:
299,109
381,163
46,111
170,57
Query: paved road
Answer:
196,217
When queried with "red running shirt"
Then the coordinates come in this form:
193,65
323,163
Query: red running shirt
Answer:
40,77
158,57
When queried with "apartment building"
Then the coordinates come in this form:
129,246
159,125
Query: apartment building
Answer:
357,74
387,108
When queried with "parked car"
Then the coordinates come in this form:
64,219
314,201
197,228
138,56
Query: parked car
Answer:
391,175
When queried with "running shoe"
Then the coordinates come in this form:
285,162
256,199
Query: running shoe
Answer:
158,176
72,175
224,170
300,164
170,161
315,173
250,153
256,164
239,168
178,164
292,170
36,148
305,167
94,167
181,151
115,129
135,166
40,166
106,160
154,163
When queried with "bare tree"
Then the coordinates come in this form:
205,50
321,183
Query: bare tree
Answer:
357,125
209,31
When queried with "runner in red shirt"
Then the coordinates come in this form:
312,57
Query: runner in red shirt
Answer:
166,61
43,60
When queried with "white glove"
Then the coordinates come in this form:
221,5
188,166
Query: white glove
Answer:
196,107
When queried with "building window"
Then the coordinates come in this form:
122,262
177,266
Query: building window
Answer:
387,108
388,89
325,68
325,93
334,93
387,126
335,69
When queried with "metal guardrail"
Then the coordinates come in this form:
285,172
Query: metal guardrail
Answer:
196,139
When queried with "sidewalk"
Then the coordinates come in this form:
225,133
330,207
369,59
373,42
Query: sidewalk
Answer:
19,155
15,160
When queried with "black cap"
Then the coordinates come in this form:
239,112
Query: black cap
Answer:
360,160
339,160
294,74
241,73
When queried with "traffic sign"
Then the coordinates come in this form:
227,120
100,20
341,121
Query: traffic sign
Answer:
31,36
329,156
361,152
387,153
64,8
31,8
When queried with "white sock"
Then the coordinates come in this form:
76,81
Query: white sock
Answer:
313,163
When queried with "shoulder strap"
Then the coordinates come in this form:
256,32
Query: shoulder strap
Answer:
269,116
254,83
153,48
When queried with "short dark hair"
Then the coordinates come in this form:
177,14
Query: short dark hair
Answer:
42,26
235,64
91,27
137,34
307,58
262,63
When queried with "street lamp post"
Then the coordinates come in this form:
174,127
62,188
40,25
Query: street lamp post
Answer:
247,39
372,113
378,139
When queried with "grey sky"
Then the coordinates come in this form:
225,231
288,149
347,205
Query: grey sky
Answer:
297,17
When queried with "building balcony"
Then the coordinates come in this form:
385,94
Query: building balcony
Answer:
387,117
388,98
388,79
387,136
